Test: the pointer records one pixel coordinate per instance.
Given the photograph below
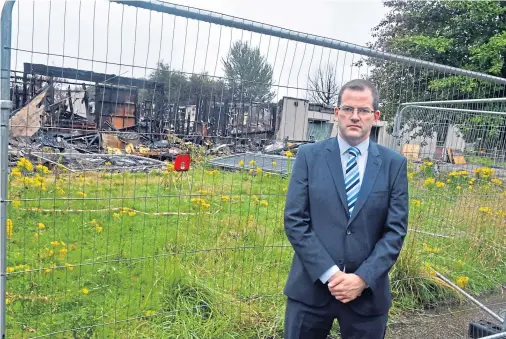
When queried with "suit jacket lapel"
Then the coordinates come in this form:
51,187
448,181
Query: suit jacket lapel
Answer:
370,174
336,170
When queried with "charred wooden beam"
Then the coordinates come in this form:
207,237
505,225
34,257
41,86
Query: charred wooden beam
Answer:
77,74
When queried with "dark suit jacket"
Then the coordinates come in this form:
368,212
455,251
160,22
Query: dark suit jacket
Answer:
322,234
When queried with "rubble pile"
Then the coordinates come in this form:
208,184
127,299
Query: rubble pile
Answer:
78,162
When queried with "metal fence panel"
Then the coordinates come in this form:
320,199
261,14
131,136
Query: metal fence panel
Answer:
106,231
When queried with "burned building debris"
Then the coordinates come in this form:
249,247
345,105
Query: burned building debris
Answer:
66,110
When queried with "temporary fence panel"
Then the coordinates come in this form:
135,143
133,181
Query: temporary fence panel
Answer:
457,207
112,245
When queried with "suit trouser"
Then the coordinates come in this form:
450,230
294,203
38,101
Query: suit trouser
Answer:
305,322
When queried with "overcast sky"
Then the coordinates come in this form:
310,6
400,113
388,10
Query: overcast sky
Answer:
117,39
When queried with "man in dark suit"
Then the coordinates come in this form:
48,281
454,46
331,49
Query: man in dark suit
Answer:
346,217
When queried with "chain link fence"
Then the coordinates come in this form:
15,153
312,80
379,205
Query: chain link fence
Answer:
110,230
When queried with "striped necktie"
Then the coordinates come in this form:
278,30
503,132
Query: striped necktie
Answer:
352,179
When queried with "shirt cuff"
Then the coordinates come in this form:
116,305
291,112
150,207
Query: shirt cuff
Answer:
329,273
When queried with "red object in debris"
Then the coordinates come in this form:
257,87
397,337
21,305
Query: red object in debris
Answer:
182,162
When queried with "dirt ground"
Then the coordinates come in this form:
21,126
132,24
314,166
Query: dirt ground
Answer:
448,322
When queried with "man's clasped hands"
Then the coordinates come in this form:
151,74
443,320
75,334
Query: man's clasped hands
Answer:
346,287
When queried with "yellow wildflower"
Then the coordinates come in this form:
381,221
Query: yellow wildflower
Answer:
36,181
241,163
496,181
69,266
85,290
99,229
288,154
431,249
116,215
26,164
501,214
200,202
259,170
264,203
416,202
43,169
440,184
16,172
252,163
63,251
82,194
429,182
150,313
458,173
41,226
483,172
462,281
225,197
170,168
486,210
16,203
10,229
55,243
9,269
108,163
132,213
274,164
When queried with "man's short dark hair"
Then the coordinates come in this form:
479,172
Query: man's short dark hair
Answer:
360,85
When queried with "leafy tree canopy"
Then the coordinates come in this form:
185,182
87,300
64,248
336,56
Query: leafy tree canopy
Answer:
248,72
469,35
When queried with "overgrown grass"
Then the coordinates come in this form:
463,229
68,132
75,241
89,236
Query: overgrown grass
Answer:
151,254
485,161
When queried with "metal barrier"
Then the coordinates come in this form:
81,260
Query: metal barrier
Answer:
108,232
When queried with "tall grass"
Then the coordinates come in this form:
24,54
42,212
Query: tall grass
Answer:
153,254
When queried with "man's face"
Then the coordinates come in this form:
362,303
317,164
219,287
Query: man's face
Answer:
356,115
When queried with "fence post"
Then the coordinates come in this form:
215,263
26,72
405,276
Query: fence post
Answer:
5,109
396,130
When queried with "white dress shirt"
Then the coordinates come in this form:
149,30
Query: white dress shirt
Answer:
361,162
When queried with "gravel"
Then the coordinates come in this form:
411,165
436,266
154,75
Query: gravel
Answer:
448,322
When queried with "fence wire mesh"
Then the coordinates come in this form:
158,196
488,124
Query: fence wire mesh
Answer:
107,238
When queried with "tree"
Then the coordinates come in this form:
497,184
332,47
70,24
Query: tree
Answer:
468,35
183,89
323,86
248,73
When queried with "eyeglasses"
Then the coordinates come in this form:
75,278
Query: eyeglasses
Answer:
361,111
